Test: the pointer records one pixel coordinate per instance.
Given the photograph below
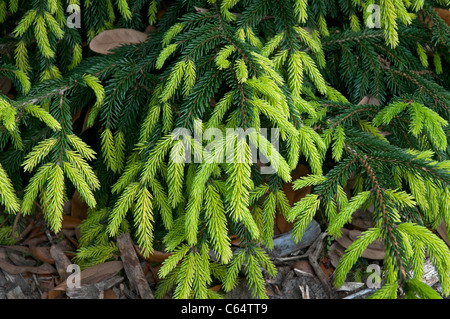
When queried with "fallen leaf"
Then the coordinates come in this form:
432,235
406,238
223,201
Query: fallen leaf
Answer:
155,257
377,244
95,274
61,262
215,288
363,218
20,260
20,249
369,100
371,252
110,39
373,101
42,253
303,265
70,222
36,239
365,100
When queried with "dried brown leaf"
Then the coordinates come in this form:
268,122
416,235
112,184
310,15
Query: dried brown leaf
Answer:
42,253
95,274
111,39
155,257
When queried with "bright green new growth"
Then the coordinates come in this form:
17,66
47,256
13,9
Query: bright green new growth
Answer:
150,154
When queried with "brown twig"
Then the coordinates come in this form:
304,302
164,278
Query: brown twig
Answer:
16,221
316,249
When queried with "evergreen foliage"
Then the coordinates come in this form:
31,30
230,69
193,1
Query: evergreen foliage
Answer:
301,67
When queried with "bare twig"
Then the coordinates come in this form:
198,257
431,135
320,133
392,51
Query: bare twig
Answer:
282,259
314,252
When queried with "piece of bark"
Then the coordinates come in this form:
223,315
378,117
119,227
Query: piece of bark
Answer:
93,291
132,267
350,286
285,245
2,286
127,293
12,269
13,280
85,292
430,274
43,269
61,262
19,260
16,293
